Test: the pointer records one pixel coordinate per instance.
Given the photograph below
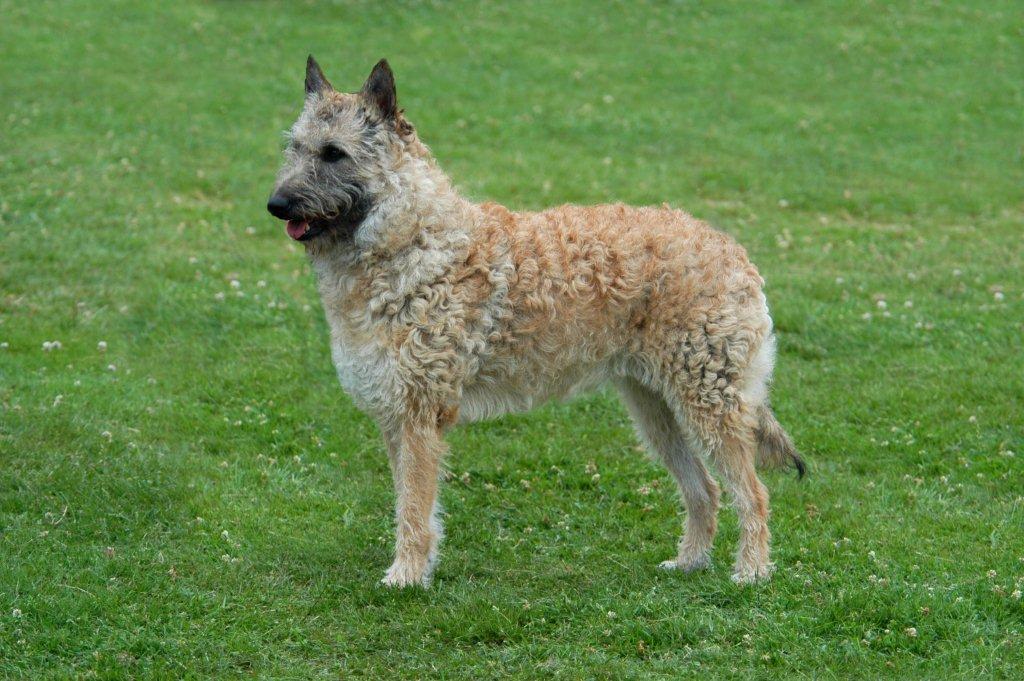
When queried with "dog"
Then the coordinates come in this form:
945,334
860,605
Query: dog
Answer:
443,311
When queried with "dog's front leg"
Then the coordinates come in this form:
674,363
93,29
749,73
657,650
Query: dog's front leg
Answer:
415,449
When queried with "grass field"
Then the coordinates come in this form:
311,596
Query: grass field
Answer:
186,492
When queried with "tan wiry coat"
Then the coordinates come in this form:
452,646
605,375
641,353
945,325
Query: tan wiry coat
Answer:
442,310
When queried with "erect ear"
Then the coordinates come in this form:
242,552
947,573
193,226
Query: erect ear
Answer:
316,81
379,90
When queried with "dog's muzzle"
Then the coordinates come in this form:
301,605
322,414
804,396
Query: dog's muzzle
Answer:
284,208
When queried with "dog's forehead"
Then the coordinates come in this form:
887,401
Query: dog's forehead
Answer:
338,115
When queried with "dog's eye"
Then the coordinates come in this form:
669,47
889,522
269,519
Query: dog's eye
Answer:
331,154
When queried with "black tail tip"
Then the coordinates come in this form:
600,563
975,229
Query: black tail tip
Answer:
801,467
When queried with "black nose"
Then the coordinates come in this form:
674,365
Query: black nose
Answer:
280,206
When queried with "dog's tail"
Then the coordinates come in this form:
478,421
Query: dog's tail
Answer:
774,447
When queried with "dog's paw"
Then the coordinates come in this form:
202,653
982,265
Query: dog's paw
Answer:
688,564
753,574
403,574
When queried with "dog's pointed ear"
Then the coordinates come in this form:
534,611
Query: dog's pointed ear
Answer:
316,81
379,90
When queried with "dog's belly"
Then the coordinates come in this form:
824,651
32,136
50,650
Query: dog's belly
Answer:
490,397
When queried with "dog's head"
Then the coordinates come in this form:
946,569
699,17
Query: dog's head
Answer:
339,154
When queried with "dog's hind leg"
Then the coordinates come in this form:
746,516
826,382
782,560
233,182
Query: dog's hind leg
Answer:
415,450
732,441
661,432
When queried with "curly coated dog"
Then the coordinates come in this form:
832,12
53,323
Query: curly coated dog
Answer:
442,310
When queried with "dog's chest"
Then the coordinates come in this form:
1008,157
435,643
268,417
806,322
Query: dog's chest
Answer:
366,369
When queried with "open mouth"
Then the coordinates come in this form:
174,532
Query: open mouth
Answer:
298,229
304,230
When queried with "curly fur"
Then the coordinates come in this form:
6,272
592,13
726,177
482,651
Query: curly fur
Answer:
444,310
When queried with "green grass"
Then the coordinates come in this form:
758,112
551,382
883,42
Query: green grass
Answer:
202,500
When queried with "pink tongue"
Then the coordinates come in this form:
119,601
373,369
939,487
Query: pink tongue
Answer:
296,228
